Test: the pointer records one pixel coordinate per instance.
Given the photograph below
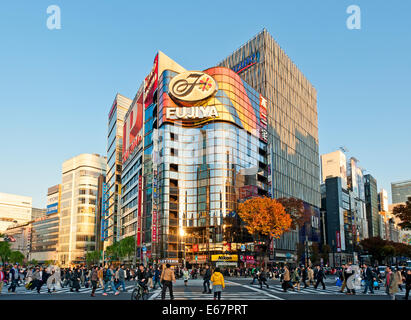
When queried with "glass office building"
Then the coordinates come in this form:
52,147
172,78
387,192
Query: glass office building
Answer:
77,226
400,191
110,223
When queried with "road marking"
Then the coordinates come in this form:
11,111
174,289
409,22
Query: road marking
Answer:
257,290
155,295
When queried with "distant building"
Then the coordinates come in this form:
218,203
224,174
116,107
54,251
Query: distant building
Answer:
14,209
400,191
37,213
21,237
334,164
44,238
371,205
77,229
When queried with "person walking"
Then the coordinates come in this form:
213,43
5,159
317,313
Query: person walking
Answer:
109,281
206,279
391,284
14,278
2,278
320,278
304,276
150,274
94,280
218,283
398,276
262,278
295,279
100,276
157,274
287,280
343,277
75,280
310,273
167,278
369,279
186,276
122,278
407,284
254,274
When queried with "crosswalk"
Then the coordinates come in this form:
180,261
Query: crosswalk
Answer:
179,295
59,290
329,290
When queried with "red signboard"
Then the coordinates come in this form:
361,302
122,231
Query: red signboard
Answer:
133,124
150,84
154,228
195,247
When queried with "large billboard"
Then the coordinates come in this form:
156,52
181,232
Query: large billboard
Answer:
193,98
133,125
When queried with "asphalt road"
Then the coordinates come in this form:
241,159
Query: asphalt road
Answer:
236,289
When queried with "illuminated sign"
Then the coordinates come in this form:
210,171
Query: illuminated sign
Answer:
247,62
191,112
192,86
224,257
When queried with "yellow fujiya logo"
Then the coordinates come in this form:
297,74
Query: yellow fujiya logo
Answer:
192,86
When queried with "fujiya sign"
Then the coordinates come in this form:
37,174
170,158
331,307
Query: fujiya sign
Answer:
187,113
192,86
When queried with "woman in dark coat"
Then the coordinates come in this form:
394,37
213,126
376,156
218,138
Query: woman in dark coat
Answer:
75,280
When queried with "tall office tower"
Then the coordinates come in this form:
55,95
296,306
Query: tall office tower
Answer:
292,124
383,200
371,205
14,209
400,191
334,164
357,200
77,230
292,116
338,218
111,219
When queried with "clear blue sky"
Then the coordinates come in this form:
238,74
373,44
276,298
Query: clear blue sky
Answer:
56,86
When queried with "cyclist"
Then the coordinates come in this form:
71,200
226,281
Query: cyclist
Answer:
142,277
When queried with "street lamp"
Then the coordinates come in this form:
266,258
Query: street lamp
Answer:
182,235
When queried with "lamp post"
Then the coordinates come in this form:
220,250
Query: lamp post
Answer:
182,234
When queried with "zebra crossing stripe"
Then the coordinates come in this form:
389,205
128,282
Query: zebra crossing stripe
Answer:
255,289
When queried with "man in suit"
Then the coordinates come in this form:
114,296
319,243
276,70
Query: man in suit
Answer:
368,278
320,277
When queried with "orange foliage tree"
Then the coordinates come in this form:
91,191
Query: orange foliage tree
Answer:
264,216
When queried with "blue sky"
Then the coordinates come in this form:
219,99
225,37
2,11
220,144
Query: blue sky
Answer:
56,86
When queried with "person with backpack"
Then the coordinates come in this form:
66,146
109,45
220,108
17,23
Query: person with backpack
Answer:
109,281
254,274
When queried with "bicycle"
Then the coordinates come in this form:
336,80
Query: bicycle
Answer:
139,293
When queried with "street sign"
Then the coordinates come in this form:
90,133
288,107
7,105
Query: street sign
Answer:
242,247
196,257
288,255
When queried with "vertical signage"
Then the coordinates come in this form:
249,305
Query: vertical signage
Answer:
139,210
338,240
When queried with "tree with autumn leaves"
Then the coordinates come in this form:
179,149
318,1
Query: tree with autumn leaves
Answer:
264,218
